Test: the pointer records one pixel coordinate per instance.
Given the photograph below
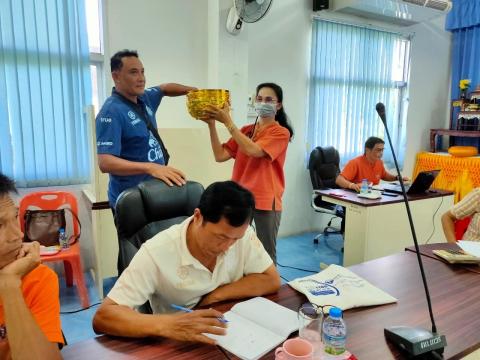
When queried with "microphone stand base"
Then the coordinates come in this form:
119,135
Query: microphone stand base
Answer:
416,341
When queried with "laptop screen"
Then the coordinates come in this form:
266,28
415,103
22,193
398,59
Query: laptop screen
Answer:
422,183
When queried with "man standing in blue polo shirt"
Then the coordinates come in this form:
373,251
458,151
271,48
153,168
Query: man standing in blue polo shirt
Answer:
129,147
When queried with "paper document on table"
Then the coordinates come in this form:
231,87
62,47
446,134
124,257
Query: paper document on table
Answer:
374,194
255,327
340,287
470,247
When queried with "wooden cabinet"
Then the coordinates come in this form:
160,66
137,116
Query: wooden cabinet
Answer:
463,123
452,133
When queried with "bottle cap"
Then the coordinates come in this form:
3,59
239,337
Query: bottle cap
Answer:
335,312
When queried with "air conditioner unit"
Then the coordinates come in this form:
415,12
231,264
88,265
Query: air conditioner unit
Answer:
397,12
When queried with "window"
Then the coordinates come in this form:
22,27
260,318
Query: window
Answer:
95,41
44,89
352,69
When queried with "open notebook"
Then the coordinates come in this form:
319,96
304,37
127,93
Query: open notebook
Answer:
255,327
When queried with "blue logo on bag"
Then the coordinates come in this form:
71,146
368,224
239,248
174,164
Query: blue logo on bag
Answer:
318,288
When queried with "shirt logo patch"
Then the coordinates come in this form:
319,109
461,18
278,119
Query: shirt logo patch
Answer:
149,111
135,122
105,120
104,143
131,115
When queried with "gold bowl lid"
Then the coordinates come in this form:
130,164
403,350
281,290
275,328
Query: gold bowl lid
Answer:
198,99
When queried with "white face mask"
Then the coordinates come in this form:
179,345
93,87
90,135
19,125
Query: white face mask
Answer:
266,109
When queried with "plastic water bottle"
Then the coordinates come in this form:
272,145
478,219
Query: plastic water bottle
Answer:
62,239
364,188
334,333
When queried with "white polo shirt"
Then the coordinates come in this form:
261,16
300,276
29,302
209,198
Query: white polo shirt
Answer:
164,271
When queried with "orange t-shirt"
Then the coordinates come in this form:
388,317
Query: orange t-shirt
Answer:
40,291
360,168
263,176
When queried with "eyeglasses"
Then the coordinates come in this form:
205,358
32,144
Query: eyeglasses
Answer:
312,310
266,99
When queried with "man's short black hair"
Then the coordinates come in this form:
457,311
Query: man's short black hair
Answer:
116,60
6,185
372,141
227,199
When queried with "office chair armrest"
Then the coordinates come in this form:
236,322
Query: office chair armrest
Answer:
321,209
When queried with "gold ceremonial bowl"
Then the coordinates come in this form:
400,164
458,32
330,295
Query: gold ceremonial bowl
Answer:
198,99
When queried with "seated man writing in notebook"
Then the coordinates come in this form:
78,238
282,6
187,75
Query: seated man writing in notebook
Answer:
29,304
212,256
367,166
469,206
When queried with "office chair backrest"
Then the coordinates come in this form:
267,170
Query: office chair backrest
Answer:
151,207
324,167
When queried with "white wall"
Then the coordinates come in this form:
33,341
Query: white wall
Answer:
429,87
173,39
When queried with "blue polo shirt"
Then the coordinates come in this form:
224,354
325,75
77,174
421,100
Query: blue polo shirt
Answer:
122,132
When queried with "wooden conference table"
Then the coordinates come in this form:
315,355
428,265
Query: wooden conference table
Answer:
455,293
380,227
427,250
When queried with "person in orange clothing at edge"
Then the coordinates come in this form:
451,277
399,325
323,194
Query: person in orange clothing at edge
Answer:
367,166
259,151
29,303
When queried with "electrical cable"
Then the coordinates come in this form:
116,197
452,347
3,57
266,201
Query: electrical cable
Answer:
79,310
296,268
433,220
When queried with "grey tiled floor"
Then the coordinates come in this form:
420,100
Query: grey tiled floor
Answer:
292,252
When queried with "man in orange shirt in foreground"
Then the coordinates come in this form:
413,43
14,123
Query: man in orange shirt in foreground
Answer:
367,166
29,304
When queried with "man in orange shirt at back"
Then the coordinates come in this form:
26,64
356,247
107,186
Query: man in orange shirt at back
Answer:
29,304
367,166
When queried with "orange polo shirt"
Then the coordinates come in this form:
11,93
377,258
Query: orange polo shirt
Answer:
263,176
40,291
360,168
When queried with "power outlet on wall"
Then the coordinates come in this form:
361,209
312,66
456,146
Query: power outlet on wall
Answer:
251,106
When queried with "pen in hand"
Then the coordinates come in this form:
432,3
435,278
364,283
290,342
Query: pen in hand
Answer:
187,310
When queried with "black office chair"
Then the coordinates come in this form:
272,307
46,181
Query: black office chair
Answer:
324,167
151,207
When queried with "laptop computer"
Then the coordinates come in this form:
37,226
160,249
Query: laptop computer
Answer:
421,184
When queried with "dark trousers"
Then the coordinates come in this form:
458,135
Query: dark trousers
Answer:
267,223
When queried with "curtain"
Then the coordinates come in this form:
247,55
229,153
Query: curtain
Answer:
352,69
44,88
464,23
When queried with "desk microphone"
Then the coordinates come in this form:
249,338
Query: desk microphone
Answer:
414,340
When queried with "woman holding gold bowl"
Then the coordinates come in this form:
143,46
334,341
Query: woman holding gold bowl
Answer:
259,152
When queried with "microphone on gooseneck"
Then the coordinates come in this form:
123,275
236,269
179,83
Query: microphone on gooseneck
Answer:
381,113
414,340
